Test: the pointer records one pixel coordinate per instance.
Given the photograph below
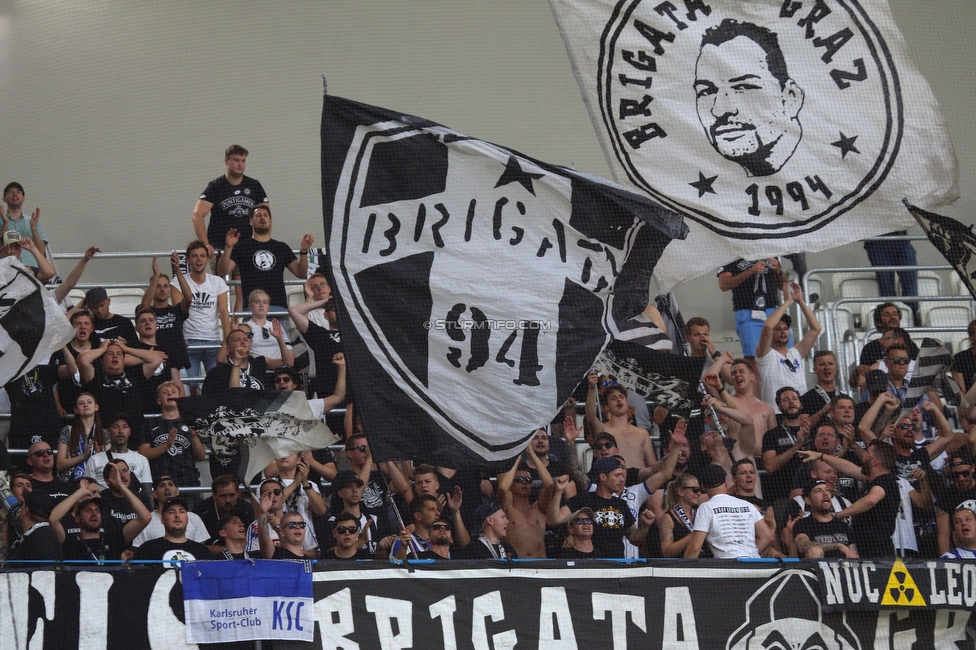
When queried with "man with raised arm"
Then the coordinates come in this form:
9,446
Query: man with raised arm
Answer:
745,399
166,489
174,546
13,220
119,433
97,538
324,341
173,448
779,364
634,442
526,519
228,199
169,317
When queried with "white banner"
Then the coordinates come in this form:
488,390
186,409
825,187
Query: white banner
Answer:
773,126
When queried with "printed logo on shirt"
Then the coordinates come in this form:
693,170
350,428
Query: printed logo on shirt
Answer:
264,260
31,383
202,300
609,518
237,206
165,321
247,190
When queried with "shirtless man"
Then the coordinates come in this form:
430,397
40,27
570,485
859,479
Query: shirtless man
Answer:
526,520
634,442
745,398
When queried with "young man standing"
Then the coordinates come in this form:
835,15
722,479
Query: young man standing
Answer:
228,199
488,544
14,220
779,364
173,448
825,369
169,317
208,319
634,442
734,528
173,546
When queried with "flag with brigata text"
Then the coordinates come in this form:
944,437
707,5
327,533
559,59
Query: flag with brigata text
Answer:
772,126
476,285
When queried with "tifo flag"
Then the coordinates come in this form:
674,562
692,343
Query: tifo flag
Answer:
247,601
263,424
955,241
666,379
774,127
476,285
32,326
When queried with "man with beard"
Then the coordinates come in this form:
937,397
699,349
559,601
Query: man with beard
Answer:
874,513
821,535
224,500
825,369
40,463
119,432
442,546
97,539
634,442
780,364
781,444
173,546
241,370
261,260
909,455
824,442
962,488
887,317
115,502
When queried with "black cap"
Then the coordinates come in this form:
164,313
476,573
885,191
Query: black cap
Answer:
808,489
712,476
94,295
876,381
344,478
484,511
14,184
175,501
160,479
40,504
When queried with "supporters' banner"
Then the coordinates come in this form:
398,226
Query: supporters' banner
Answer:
677,605
774,126
476,285
862,584
32,326
931,365
954,240
247,601
666,379
263,424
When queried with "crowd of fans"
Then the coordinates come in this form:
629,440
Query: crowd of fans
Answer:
763,465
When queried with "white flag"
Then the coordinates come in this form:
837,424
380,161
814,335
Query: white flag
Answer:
32,326
773,126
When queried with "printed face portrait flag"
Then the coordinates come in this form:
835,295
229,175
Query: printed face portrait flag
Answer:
772,126
476,286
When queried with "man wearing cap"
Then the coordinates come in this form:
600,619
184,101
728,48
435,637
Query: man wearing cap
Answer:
347,496
490,544
961,488
107,324
612,515
39,541
348,543
272,489
14,221
875,512
964,532
821,535
174,545
780,365
96,539
232,537
164,490
224,500
40,462
580,537
733,528
18,247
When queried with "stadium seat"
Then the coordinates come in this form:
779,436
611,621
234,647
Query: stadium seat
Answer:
955,342
816,286
929,283
296,294
855,285
945,314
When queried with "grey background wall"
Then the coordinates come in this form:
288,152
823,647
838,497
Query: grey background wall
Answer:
115,115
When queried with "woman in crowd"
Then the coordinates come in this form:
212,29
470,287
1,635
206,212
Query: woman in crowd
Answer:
680,505
79,440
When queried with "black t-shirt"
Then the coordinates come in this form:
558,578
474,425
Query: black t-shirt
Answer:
231,203
949,499
123,394
284,554
115,326
323,343
33,413
873,528
573,554
56,488
361,554
107,546
777,484
846,485
177,462
40,543
872,352
169,335
756,292
160,376
163,549
477,550
965,364
118,508
834,531
611,519
812,401
255,377
262,266
70,388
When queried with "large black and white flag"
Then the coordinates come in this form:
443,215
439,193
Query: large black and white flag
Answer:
773,126
477,285
32,326
956,242
260,426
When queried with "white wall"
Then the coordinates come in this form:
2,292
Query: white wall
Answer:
116,114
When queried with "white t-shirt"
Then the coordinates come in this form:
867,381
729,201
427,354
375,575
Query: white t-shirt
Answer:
254,545
904,535
265,347
777,371
301,506
195,529
138,465
730,526
203,320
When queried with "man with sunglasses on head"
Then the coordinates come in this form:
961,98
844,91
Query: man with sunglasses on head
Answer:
269,508
962,488
40,463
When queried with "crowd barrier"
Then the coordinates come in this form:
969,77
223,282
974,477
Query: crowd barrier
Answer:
678,605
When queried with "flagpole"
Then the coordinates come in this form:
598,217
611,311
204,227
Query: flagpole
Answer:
718,425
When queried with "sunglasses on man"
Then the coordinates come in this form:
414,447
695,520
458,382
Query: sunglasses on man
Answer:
295,524
40,453
347,530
